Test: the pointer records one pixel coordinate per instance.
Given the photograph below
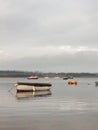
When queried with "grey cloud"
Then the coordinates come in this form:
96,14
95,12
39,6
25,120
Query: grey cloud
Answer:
25,24
79,62
48,22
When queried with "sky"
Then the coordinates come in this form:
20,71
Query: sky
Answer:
49,35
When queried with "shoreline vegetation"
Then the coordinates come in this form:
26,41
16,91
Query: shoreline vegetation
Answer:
23,74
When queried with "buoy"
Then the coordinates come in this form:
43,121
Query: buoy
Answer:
72,83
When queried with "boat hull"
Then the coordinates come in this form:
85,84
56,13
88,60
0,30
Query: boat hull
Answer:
27,88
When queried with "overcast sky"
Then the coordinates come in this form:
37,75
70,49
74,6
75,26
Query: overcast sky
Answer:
49,35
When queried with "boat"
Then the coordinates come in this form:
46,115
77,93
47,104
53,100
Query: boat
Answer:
96,83
68,77
32,87
22,95
72,82
65,78
32,77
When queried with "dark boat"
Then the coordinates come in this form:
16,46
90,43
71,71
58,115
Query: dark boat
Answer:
96,83
65,78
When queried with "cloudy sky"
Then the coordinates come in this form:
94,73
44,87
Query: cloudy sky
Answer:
49,35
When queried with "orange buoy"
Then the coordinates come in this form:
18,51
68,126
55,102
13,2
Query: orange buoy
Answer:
72,83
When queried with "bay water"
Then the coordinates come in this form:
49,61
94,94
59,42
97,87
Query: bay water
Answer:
64,107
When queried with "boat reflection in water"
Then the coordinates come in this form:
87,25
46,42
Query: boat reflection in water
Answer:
24,95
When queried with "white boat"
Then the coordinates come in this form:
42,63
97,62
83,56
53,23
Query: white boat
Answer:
27,87
22,95
32,77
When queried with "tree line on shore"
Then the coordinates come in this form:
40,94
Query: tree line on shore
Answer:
7,73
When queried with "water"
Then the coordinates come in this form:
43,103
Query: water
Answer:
63,108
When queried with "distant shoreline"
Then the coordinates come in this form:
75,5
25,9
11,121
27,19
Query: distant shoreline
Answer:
24,74
48,77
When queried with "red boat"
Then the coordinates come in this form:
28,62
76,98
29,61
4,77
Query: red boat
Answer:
33,77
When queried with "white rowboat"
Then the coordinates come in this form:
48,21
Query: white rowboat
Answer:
27,87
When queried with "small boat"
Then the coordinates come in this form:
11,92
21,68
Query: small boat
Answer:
32,77
68,77
96,83
32,87
65,78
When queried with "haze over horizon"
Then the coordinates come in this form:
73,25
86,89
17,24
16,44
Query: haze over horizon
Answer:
49,36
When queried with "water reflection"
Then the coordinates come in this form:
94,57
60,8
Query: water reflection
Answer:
23,95
72,85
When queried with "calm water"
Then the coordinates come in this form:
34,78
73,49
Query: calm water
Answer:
64,108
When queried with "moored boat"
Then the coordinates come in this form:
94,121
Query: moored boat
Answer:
31,87
96,83
65,78
32,77
68,77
